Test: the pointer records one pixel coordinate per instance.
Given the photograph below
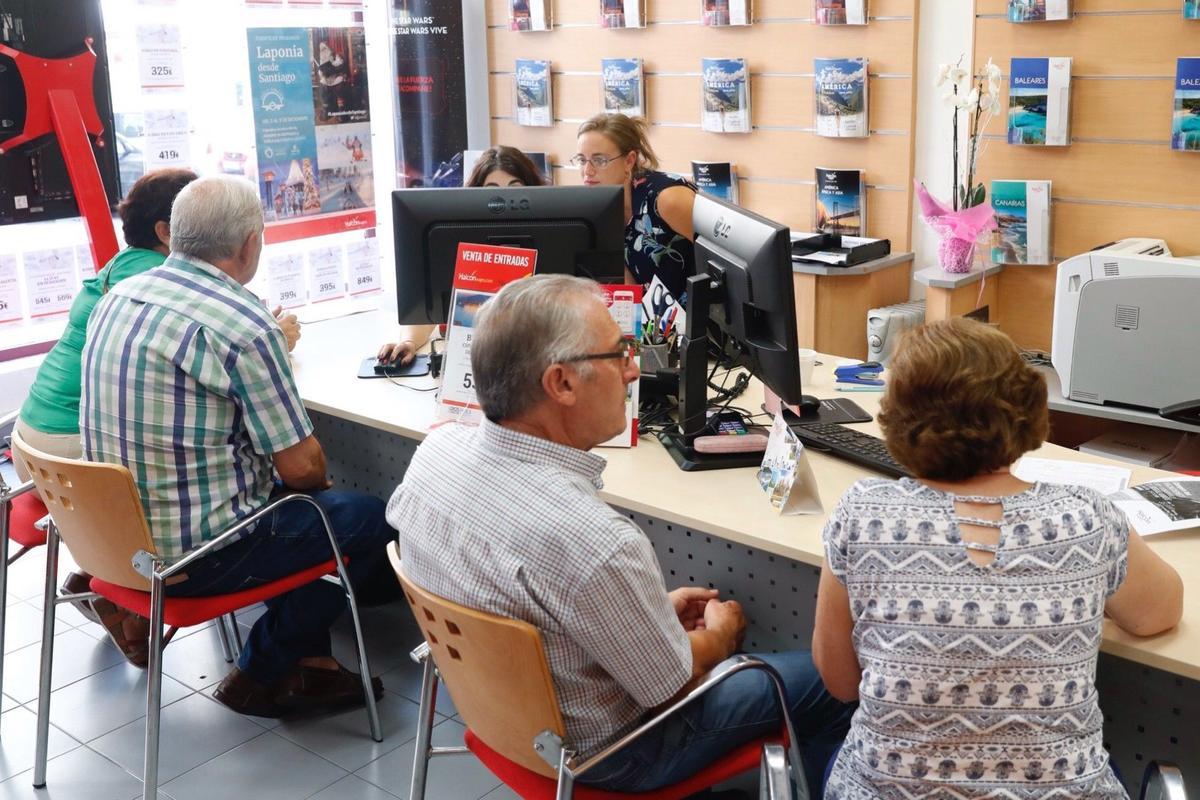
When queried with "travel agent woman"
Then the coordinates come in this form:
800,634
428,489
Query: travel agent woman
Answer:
613,149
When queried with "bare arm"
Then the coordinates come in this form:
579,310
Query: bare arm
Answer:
1150,600
675,207
302,466
833,643
412,339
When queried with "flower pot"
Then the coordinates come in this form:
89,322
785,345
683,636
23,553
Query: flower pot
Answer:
956,254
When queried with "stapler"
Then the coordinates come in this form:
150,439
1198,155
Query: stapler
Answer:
863,374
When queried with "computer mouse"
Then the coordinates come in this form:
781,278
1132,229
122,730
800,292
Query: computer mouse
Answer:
808,405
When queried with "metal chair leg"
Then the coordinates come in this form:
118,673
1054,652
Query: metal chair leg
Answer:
47,665
154,687
429,682
235,635
566,781
223,638
774,783
4,521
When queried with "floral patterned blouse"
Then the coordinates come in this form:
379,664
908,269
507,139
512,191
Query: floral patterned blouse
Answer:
652,247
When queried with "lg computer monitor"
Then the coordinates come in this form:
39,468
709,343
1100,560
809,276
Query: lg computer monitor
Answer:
741,300
577,230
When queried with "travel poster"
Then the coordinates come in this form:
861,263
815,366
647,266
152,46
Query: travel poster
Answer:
312,130
1185,122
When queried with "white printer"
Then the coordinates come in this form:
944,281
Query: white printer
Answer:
1125,326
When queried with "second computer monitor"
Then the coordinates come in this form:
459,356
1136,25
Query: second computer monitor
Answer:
578,230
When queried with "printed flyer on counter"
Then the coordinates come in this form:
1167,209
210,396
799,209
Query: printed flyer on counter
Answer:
312,129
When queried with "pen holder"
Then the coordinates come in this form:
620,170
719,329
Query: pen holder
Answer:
655,357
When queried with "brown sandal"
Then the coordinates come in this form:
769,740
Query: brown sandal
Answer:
128,631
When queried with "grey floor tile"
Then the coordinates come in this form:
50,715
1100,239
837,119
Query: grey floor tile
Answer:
22,626
405,680
194,730
76,655
195,660
107,700
448,777
27,575
345,738
17,734
273,766
79,775
389,638
352,787
8,703
502,792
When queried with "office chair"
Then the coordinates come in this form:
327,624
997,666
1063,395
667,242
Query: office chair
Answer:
1162,781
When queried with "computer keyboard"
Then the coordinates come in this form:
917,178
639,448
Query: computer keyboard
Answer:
854,446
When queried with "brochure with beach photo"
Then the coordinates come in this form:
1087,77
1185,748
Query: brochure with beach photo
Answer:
1022,222
840,12
1191,9
1039,98
840,91
725,99
1185,122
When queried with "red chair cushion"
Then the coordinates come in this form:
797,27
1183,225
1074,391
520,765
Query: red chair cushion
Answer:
180,612
26,510
532,786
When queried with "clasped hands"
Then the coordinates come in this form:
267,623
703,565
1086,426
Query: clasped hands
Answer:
699,609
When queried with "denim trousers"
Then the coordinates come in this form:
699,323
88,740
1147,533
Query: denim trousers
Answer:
742,708
290,539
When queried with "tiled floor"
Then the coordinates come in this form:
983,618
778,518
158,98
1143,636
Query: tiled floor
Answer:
207,751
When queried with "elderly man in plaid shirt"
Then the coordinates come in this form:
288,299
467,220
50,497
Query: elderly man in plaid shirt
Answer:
505,518
186,382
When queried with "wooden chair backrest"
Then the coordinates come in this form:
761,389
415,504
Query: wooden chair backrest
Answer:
97,511
494,668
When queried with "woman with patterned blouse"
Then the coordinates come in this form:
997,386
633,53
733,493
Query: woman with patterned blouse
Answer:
964,609
614,150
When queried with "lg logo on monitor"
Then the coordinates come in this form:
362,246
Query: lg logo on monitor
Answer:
498,205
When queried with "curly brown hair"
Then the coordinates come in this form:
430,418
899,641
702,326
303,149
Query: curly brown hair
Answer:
148,202
961,401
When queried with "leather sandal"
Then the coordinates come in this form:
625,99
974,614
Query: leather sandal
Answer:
80,583
128,631
306,689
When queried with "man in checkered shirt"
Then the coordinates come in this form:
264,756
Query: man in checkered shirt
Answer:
186,382
505,518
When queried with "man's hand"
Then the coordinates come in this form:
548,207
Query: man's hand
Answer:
727,619
689,603
290,326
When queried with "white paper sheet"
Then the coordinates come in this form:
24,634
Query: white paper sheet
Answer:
1103,478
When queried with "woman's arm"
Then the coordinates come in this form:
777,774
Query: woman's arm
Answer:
1150,600
675,207
832,642
412,339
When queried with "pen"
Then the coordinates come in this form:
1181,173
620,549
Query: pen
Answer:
860,388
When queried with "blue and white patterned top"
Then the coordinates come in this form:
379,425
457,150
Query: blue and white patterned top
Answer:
652,247
978,681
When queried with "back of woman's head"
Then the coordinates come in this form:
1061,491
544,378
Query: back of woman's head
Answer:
505,159
149,202
629,134
961,401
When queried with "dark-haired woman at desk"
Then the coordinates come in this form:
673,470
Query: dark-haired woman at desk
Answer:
614,150
500,166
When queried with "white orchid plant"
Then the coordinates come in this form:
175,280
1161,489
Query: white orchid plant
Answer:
974,100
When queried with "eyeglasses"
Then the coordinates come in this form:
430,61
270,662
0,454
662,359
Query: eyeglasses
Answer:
626,354
599,161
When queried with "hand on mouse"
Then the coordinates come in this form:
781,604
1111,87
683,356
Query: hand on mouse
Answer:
397,353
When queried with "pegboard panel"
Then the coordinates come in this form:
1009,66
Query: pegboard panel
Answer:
362,458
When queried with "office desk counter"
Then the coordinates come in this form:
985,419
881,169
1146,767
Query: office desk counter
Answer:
718,528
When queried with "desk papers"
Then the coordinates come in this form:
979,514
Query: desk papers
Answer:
1103,478
1167,504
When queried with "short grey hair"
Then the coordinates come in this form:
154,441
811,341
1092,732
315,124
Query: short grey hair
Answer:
529,325
213,216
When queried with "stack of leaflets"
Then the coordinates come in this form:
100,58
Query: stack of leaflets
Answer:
840,12
529,15
1185,123
725,12
1039,101
1038,10
840,89
718,178
621,86
622,13
725,95
840,205
532,89
1022,222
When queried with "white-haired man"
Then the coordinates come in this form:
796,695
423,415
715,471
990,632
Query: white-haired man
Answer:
506,518
186,382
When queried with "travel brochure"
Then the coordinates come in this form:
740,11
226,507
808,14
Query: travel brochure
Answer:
529,15
1038,10
785,474
725,12
1185,123
1167,504
622,85
718,178
840,12
725,100
533,93
840,203
1039,96
622,13
1022,221
1191,9
840,89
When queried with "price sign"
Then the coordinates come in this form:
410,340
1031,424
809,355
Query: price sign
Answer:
363,257
11,307
160,57
167,139
326,277
285,280
83,261
50,281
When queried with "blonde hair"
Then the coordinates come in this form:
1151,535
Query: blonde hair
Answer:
629,134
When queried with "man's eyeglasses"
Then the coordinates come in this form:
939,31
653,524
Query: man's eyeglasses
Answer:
599,161
627,352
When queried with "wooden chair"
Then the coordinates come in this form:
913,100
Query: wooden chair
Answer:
96,510
496,671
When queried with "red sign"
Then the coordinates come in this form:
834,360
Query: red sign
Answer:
487,268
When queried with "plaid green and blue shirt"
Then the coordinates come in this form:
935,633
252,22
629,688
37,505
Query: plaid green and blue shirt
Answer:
186,382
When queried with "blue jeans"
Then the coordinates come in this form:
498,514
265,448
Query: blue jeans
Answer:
742,708
296,624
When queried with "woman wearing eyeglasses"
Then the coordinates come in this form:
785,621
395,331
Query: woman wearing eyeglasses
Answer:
614,150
